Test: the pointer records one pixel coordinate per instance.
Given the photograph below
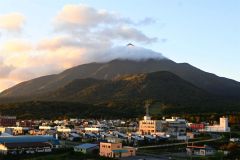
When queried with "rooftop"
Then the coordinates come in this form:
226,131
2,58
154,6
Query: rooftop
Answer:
27,139
86,145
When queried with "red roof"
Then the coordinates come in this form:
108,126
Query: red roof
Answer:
196,146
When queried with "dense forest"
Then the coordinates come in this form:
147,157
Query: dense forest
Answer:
61,110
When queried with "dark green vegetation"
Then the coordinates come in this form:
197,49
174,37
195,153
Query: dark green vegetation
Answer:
61,110
123,97
158,86
119,89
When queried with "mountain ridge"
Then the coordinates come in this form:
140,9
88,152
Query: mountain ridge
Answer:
123,96
138,86
119,67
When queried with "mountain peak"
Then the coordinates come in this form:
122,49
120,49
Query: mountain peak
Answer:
130,53
125,65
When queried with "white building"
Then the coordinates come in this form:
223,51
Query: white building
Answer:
222,127
175,127
46,128
93,129
63,129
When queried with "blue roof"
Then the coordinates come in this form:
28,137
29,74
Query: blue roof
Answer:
119,151
86,145
22,139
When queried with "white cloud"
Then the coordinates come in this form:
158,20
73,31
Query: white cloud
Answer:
84,34
126,33
91,24
15,45
85,17
146,21
12,22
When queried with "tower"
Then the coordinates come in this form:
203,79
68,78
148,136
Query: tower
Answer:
224,123
147,117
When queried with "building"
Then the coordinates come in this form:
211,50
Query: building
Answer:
93,129
86,148
200,150
63,129
222,127
115,150
191,135
8,121
148,126
176,128
46,128
27,144
25,123
14,130
197,126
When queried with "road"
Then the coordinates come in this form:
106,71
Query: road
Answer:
149,156
145,157
177,144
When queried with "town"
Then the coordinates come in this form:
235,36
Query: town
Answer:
117,139
119,80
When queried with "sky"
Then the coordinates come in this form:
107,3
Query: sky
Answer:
41,37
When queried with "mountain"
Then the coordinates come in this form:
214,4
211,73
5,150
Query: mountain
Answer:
159,86
120,67
120,97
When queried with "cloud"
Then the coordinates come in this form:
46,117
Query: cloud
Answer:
126,33
83,16
53,43
122,52
5,70
68,53
12,22
16,45
63,55
90,24
82,34
146,21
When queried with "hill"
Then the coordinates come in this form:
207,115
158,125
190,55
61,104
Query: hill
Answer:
158,86
121,97
120,67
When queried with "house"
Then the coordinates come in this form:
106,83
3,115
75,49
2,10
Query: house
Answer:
234,139
7,121
191,135
14,130
74,137
200,150
115,150
27,144
86,148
